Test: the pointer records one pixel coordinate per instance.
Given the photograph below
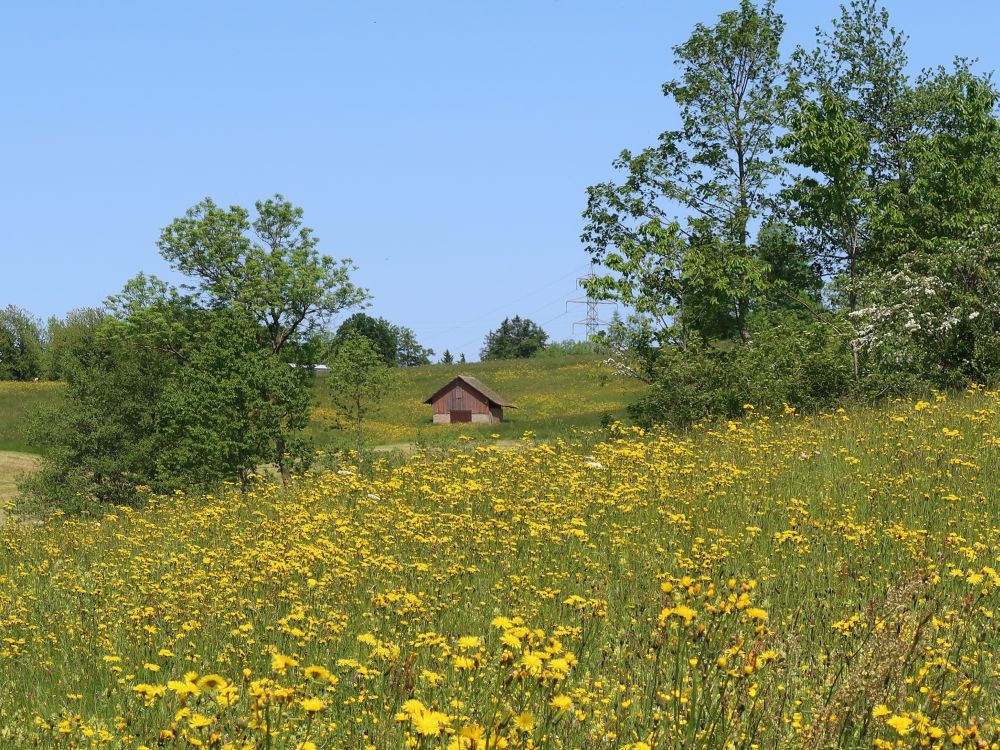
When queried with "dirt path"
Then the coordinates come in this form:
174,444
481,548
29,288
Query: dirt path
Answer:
12,465
411,448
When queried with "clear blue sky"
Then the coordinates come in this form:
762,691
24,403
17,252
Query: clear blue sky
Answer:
444,146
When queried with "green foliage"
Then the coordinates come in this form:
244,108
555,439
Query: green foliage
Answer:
833,201
409,352
269,267
63,336
566,348
178,388
379,332
222,411
166,395
698,277
789,361
20,345
515,338
880,246
100,442
447,358
793,273
358,382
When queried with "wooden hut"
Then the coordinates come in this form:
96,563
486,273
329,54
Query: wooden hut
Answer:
465,399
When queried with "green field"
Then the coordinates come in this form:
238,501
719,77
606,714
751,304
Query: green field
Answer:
17,402
776,581
553,396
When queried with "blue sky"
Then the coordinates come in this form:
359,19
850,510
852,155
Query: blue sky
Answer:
444,146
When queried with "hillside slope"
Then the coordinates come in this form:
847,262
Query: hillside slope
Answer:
552,395
777,581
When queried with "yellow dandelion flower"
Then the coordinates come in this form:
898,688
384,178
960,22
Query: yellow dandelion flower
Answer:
312,705
199,720
902,724
279,663
561,703
525,721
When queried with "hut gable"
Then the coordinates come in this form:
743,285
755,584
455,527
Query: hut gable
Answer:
466,399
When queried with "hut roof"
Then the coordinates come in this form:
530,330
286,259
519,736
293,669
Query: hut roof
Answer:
475,385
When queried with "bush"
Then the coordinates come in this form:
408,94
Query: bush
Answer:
788,361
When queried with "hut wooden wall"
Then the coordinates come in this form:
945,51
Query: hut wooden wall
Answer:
470,401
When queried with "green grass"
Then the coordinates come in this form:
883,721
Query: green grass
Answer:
553,396
17,402
776,581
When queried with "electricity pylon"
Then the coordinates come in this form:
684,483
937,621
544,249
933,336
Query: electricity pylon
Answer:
592,319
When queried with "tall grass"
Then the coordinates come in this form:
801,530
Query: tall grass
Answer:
17,402
777,581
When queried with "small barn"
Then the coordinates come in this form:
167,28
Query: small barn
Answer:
465,399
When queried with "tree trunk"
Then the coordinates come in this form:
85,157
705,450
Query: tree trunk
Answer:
279,445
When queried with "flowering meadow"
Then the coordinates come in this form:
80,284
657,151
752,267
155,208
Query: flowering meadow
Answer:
777,581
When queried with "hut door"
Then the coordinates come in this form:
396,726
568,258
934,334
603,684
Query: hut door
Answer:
461,415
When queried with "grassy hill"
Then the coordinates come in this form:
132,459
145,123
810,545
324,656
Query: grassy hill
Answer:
552,395
778,581
17,401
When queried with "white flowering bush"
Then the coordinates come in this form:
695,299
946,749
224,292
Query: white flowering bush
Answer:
934,317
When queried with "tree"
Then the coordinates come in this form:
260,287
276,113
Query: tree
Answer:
268,268
165,394
378,331
834,201
793,275
446,358
226,404
847,118
358,381
64,336
718,168
930,304
101,442
461,358
515,338
409,352
20,345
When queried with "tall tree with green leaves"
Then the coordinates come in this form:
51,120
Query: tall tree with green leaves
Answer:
409,351
63,336
847,119
268,267
165,394
516,338
379,331
358,382
930,308
681,217
20,344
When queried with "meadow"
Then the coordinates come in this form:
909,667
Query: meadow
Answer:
552,395
17,401
776,581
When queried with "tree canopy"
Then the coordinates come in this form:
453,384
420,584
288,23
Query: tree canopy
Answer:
826,200
176,387
515,338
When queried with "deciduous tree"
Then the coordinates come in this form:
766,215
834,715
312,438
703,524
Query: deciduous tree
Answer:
359,379
515,338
